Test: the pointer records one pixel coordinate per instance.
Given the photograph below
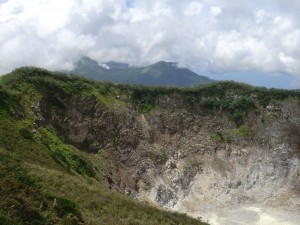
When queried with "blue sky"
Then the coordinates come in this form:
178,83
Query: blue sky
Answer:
251,41
285,81
129,3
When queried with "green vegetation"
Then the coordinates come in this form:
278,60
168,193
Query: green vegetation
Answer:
243,131
64,206
22,201
45,181
217,136
65,155
269,117
25,133
145,99
237,99
18,135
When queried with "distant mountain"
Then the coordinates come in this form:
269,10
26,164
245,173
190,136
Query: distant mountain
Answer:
160,73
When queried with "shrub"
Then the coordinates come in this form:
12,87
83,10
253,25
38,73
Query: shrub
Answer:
25,133
237,118
217,136
144,98
65,206
243,131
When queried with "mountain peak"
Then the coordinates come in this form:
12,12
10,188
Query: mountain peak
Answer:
164,64
161,73
117,65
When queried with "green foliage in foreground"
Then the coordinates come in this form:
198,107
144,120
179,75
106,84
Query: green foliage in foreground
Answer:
116,209
22,202
64,206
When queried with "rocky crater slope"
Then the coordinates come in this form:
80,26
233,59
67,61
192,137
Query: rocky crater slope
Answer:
226,152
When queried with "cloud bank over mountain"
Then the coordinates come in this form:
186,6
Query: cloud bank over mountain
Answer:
214,36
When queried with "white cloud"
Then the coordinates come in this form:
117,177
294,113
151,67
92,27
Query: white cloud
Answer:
193,8
215,10
291,64
211,35
260,16
105,66
181,65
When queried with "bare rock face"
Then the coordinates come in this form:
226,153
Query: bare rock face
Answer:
170,157
260,171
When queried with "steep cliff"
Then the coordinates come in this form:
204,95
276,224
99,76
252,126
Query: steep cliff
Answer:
227,152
